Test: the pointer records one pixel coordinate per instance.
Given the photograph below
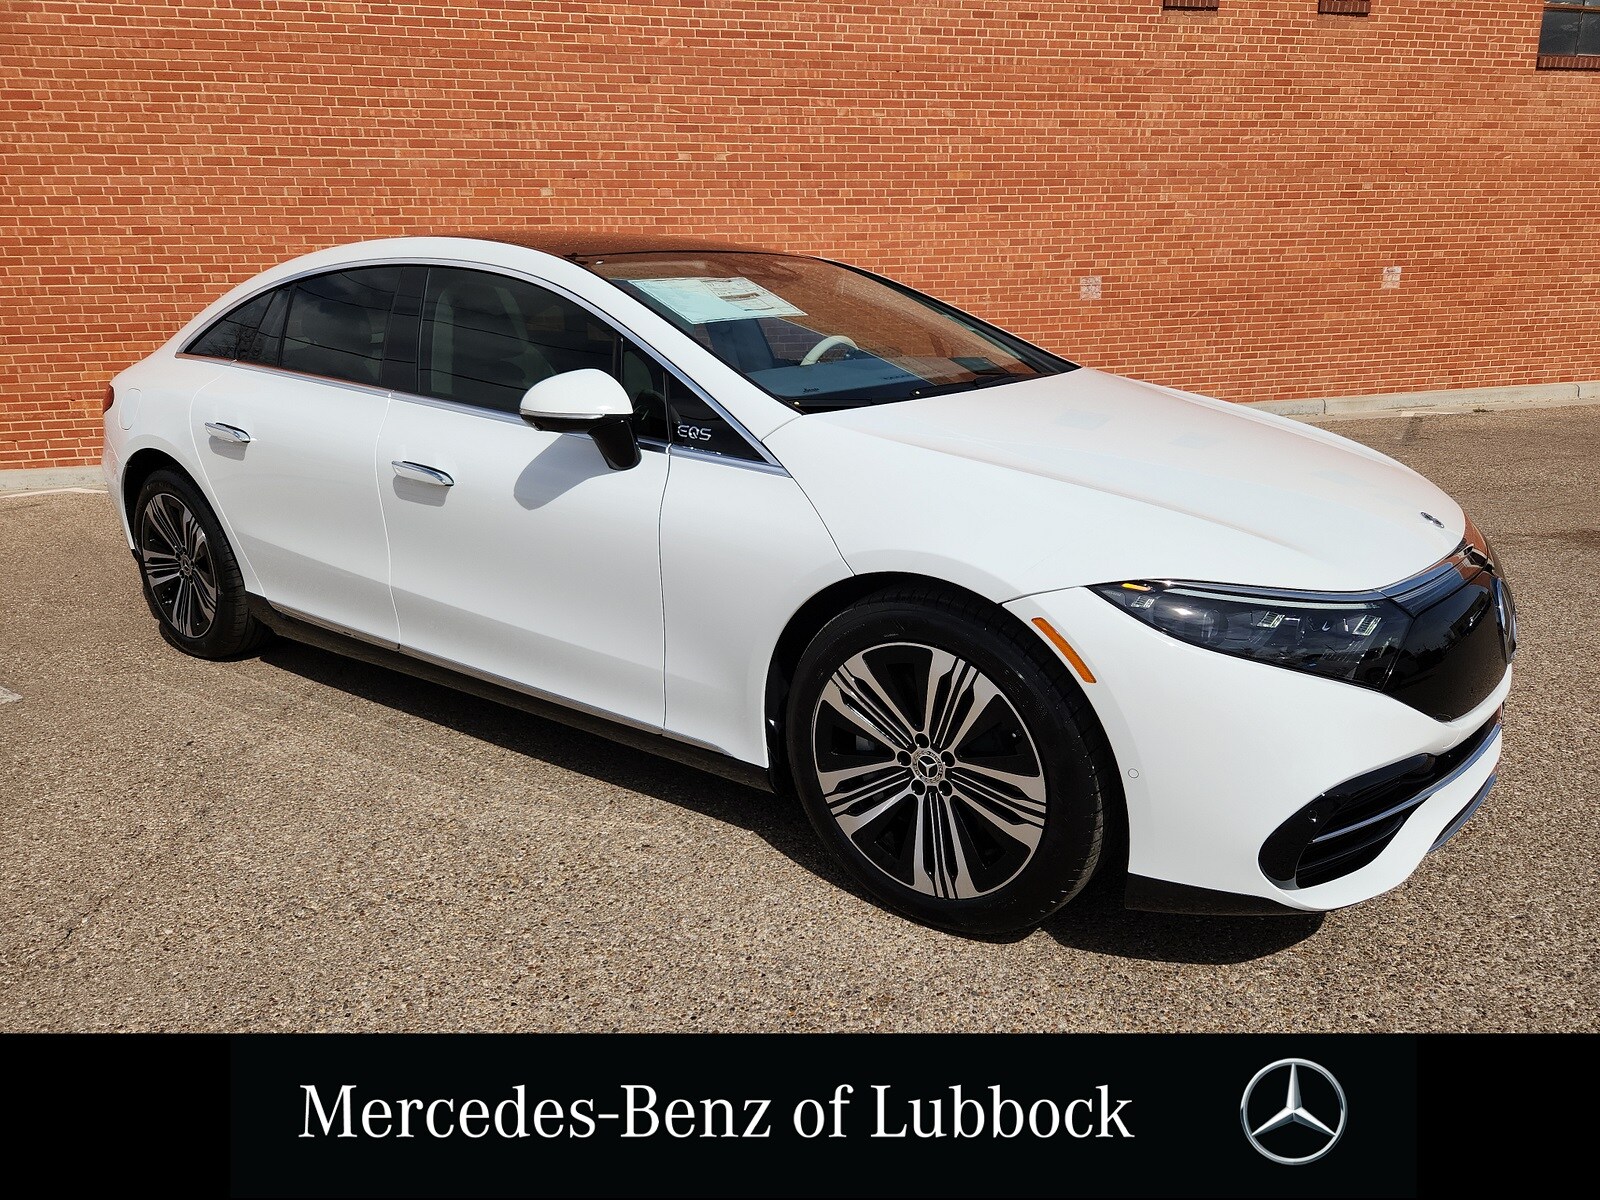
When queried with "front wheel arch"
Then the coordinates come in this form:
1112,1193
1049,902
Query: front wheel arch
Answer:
810,618
1033,722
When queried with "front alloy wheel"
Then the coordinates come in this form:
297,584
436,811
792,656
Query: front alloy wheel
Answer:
928,770
949,761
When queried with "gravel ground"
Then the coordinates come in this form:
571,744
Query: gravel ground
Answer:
299,842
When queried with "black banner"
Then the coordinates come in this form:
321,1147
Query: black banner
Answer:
792,1115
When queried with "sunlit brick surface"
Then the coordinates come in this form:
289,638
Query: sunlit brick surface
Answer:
1237,180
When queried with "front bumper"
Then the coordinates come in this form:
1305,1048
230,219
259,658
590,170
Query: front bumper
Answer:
1218,753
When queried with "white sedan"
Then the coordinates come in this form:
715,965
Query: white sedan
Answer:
999,620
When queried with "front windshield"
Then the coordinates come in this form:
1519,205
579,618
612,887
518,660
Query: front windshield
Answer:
817,335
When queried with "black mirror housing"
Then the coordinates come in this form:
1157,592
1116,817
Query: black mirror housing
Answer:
613,436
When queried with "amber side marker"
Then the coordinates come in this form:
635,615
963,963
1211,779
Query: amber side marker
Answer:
1067,652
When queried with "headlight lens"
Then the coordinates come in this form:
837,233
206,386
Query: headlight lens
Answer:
1474,540
1479,545
1356,640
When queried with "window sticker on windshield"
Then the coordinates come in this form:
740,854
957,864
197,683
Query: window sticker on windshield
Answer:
701,299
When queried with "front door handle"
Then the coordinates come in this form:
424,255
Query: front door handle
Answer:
227,433
421,474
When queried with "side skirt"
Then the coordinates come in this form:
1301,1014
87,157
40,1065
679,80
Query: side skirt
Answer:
658,744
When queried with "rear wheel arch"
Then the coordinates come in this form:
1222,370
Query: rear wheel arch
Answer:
140,466
190,575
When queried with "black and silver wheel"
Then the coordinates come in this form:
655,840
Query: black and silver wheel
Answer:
191,577
952,766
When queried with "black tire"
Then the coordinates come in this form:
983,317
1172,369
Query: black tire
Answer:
190,574
920,841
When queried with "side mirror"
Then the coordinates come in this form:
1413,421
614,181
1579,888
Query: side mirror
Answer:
587,401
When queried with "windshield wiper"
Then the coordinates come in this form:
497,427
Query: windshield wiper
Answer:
834,403
984,379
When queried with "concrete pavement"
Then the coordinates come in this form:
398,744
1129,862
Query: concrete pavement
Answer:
299,842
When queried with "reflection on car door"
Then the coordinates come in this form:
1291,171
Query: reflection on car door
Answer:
515,553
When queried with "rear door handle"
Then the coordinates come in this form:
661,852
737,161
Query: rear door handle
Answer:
227,433
421,473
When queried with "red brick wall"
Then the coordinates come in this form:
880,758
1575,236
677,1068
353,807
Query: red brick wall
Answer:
1238,180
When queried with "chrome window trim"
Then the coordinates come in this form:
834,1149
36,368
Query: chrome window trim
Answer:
327,380
457,406
494,269
674,450
745,435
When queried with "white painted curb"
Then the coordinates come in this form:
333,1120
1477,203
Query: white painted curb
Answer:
38,479
1492,399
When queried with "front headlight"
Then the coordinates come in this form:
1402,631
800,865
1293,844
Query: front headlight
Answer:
1356,640
1479,545
1474,541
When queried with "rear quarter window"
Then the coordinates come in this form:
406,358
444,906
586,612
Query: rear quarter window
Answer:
225,337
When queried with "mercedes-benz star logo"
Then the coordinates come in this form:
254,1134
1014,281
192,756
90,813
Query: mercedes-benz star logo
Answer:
1431,519
1292,1133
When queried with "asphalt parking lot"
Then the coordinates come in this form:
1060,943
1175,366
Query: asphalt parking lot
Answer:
300,842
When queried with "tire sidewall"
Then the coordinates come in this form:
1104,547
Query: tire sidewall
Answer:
1068,849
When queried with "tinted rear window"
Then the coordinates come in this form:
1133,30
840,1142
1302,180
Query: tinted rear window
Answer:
337,323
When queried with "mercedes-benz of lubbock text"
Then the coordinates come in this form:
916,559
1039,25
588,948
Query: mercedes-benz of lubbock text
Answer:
999,620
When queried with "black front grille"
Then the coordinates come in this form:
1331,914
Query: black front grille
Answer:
1348,826
1462,636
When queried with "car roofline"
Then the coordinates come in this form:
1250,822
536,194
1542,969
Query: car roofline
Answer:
579,244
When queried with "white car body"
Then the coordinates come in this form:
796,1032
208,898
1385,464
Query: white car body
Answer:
656,598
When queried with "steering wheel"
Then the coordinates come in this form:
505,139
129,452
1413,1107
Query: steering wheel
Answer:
828,343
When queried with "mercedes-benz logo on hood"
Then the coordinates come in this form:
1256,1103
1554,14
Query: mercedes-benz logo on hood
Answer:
1293,1111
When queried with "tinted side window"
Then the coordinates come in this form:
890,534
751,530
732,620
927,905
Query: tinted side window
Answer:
646,383
487,338
224,337
265,343
336,324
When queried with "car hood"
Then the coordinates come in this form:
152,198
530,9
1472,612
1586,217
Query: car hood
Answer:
1087,477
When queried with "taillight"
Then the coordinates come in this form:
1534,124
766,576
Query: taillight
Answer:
110,399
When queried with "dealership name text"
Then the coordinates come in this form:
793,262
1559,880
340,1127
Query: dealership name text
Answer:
641,1112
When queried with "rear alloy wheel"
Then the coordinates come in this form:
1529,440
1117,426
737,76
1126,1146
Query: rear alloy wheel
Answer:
191,577
950,764
178,565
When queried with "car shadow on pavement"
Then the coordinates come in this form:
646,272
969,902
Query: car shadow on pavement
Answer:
778,822
1095,922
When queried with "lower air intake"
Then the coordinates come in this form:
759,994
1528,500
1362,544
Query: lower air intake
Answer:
1348,826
